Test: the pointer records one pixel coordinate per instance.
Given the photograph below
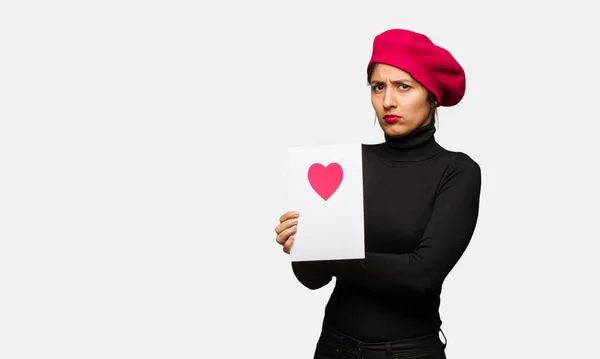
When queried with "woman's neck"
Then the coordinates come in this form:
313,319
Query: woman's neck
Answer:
414,146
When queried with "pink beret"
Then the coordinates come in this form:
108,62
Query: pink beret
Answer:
434,67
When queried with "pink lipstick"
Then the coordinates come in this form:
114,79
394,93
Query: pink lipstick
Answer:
391,118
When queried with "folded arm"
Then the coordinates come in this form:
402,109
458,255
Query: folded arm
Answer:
312,274
445,239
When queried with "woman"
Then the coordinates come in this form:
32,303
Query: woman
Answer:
421,205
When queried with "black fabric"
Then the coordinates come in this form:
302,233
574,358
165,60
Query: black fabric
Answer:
334,344
421,204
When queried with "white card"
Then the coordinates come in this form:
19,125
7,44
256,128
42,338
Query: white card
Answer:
325,184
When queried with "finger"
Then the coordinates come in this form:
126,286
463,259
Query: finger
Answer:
287,247
288,215
285,225
285,235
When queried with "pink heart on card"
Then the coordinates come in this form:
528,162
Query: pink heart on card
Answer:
325,180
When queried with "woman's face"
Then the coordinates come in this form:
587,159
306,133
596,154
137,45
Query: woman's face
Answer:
399,101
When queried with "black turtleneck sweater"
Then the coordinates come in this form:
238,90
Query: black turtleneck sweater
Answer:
421,204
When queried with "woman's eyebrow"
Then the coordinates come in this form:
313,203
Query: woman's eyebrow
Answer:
397,81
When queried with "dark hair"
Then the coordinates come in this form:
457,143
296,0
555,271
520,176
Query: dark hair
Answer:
430,96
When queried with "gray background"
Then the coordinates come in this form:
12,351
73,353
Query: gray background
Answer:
142,170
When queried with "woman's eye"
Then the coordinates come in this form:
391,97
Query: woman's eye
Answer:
378,87
404,87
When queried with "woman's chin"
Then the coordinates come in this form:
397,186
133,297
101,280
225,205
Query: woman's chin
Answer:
396,129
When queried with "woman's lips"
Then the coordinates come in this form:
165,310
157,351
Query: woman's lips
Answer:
391,118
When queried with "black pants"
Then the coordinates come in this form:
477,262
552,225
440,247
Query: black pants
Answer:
333,344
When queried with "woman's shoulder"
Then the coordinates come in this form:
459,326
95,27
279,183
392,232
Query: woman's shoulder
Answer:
450,157
461,159
462,164
370,147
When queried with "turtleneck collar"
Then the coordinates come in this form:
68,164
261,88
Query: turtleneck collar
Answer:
418,145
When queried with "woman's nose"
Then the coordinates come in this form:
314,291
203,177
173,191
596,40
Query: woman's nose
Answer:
388,99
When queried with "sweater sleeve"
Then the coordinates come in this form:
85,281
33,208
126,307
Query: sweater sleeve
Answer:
443,242
312,274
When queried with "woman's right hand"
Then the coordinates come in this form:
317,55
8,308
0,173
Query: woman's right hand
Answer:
285,230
